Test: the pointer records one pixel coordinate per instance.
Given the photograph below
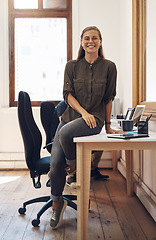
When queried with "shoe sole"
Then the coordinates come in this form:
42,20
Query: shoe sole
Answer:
61,215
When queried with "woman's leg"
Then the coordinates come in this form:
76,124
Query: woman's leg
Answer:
95,159
57,176
57,172
64,151
75,128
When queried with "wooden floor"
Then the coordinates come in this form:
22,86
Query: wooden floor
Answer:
112,216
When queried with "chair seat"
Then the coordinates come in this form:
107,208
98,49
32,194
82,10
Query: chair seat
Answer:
43,165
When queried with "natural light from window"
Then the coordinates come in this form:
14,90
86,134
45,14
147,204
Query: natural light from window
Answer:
40,57
6,179
26,4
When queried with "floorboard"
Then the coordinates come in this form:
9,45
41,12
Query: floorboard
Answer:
112,215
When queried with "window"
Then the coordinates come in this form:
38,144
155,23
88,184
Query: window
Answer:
40,38
140,54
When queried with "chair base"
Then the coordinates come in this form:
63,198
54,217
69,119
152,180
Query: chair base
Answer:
35,222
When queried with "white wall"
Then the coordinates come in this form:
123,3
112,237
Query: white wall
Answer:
125,67
113,18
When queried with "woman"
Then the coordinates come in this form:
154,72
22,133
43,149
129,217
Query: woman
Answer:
89,89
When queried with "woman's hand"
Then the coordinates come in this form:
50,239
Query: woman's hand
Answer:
112,131
89,119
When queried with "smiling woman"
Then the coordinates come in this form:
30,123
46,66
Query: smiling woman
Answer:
89,89
91,43
86,38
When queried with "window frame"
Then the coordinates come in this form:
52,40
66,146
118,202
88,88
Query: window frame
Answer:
34,13
139,58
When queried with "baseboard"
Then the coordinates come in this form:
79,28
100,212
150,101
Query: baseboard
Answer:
149,204
105,163
106,159
14,160
12,164
139,189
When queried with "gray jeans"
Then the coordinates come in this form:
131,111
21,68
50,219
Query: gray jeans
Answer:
64,152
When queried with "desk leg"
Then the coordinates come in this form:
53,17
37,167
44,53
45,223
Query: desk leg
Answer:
129,172
114,160
83,188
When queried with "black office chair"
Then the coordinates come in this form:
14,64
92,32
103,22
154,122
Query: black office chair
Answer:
49,121
38,166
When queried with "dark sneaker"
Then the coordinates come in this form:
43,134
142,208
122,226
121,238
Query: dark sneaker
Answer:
57,215
96,175
71,180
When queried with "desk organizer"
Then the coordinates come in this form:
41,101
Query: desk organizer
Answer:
142,127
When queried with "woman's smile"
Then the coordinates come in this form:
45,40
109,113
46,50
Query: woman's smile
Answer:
91,42
90,46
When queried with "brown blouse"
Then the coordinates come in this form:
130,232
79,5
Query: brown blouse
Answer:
93,85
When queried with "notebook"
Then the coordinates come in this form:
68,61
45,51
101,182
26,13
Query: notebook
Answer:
127,135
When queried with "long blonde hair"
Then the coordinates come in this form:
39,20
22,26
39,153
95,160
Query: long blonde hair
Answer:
81,52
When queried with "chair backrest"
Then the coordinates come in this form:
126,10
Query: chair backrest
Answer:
49,121
30,132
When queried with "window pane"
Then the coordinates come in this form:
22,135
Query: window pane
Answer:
151,52
26,4
54,4
40,57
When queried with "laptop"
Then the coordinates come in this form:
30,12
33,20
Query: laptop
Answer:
138,113
127,135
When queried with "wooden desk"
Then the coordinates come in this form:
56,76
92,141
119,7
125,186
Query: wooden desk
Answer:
84,146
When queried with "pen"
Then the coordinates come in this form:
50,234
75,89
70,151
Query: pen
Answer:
148,118
146,121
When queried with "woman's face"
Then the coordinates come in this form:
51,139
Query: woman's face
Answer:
91,42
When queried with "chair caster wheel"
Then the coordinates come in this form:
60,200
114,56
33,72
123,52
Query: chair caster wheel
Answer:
22,210
35,222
